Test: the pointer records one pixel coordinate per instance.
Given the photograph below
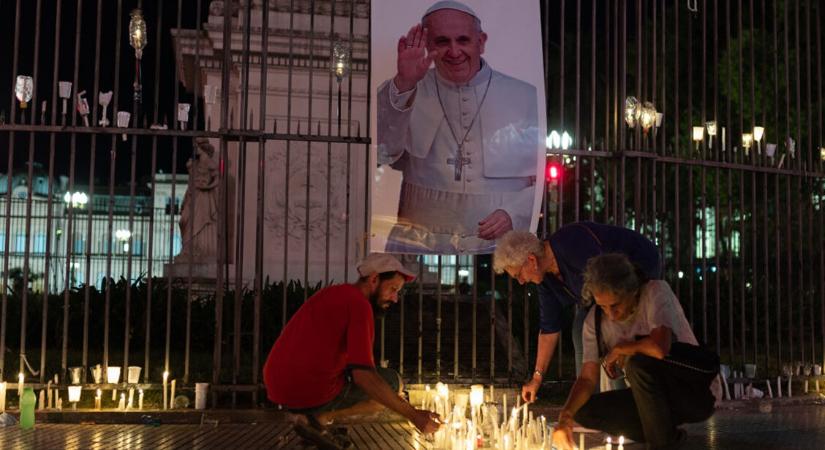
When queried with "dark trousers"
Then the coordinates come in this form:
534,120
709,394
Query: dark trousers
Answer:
661,397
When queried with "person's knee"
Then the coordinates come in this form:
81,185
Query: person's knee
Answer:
640,366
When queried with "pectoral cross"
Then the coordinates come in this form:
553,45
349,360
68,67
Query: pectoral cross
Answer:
459,163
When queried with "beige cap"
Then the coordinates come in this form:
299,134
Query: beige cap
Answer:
383,262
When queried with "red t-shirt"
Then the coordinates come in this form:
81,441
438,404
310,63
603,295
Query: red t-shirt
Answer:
333,330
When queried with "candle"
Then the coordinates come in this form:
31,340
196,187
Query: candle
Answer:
779,386
492,394
98,395
172,395
770,391
723,139
59,402
140,399
790,377
806,386
165,377
581,441
121,405
20,378
3,387
609,445
49,396
41,400
621,442
130,403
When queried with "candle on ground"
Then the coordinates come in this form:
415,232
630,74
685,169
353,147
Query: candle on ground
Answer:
98,396
172,395
770,391
130,403
140,399
41,400
609,444
3,387
49,395
59,403
581,441
121,405
165,402
779,387
621,442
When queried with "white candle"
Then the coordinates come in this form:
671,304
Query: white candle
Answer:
621,442
59,402
49,395
779,386
3,387
770,391
121,405
172,395
609,445
41,400
98,395
130,403
581,441
790,378
20,378
165,402
140,399
723,139
806,386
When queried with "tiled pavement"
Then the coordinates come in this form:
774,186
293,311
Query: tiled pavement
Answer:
785,427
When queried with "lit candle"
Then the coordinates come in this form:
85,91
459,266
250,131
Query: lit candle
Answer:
130,403
140,399
609,445
581,441
165,377
621,442
3,387
98,395
20,378
121,405
172,395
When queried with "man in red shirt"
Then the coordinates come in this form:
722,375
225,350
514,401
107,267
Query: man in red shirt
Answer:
322,364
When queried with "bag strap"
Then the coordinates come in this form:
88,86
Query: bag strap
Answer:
599,346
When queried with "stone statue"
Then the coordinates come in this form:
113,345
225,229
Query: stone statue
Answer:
199,212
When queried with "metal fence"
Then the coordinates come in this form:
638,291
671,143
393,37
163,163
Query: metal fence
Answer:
740,229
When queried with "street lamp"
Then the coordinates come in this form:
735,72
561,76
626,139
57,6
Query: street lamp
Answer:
75,199
138,40
123,236
340,66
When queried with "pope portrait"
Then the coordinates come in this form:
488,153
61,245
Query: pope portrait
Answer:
464,135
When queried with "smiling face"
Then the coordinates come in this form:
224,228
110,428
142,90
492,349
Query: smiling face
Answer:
459,41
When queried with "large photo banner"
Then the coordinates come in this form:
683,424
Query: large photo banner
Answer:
459,123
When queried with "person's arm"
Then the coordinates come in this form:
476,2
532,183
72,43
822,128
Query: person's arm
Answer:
656,345
579,394
544,354
380,391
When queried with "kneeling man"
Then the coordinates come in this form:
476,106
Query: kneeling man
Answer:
642,324
322,363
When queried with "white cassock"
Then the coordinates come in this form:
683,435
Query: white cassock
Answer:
442,197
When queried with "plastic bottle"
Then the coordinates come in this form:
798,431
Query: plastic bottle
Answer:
27,402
